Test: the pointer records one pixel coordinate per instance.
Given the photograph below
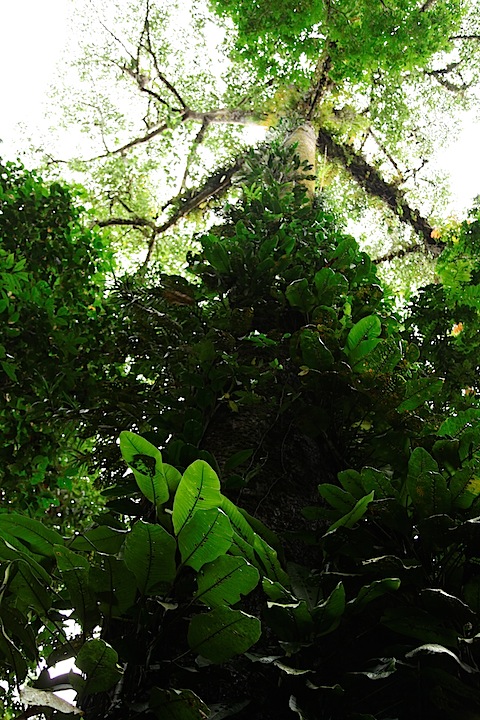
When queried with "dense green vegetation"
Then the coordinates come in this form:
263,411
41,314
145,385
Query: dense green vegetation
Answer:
252,483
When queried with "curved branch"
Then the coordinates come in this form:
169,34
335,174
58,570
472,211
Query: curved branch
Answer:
372,182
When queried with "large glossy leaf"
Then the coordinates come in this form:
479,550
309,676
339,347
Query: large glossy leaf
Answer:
238,521
315,353
416,623
37,538
103,539
224,581
115,585
338,498
146,462
98,662
150,554
355,514
328,613
269,559
74,569
367,328
430,494
418,391
377,481
223,633
375,589
29,591
421,461
199,489
177,705
206,536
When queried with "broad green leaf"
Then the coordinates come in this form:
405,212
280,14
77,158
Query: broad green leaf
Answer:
464,487
377,481
38,538
268,557
437,649
150,554
338,498
315,353
177,705
430,494
291,622
375,589
238,521
367,328
223,581
361,351
115,586
74,569
299,295
351,481
418,391
29,591
381,359
355,514
461,421
306,584
421,461
416,623
223,633
205,536
172,476
199,489
98,661
237,459
471,593
102,539
145,461
327,614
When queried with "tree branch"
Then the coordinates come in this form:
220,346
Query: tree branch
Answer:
372,182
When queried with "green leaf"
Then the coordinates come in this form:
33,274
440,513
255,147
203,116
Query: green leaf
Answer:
146,462
299,295
239,458
327,614
34,534
377,481
421,461
74,569
223,581
367,328
268,557
223,633
430,494
103,539
315,353
150,554
204,537
199,489
418,391
177,705
436,649
98,662
355,514
339,499
375,589
351,481
416,623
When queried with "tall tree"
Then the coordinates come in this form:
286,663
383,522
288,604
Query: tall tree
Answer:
373,80
297,532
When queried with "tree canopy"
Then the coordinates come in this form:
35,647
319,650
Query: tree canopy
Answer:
239,478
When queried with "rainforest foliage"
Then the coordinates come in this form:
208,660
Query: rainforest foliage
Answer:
250,487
